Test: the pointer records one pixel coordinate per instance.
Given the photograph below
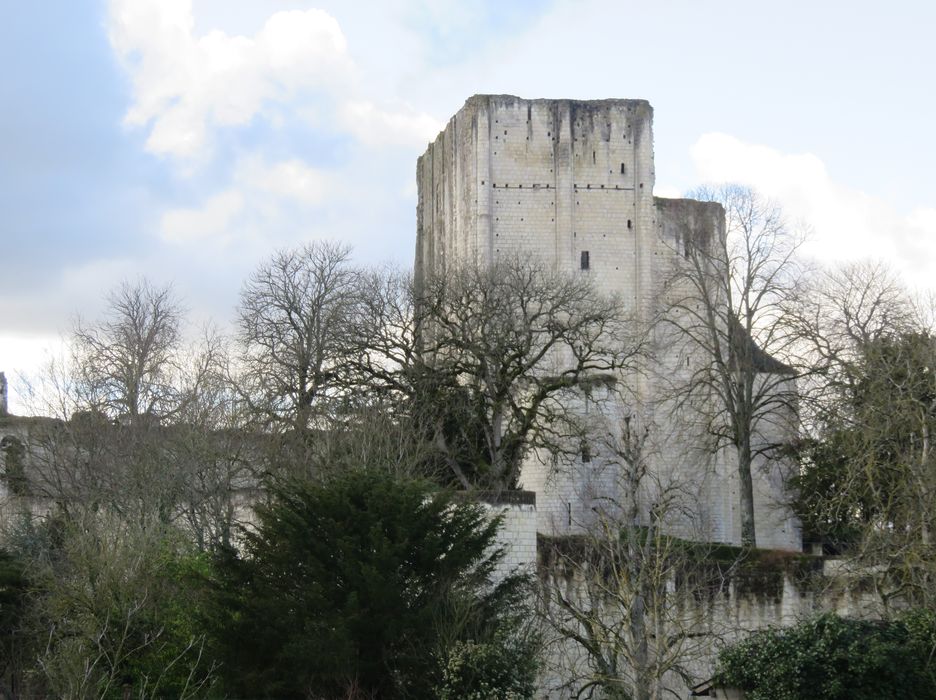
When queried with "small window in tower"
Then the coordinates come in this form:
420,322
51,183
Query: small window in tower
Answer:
584,260
630,224
622,168
586,452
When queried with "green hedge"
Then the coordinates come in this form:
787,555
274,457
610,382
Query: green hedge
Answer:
831,657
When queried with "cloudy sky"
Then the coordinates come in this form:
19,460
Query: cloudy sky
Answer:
185,140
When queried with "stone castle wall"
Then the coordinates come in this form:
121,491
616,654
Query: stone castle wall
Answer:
765,589
757,598
571,183
517,534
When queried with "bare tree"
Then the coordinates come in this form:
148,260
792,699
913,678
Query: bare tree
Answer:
293,324
104,613
729,306
868,481
489,355
396,386
125,363
139,459
211,453
119,385
840,312
624,599
140,423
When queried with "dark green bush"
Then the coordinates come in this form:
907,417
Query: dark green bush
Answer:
832,658
368,586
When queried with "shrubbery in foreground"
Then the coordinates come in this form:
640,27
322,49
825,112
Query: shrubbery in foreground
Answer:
370,586
832,658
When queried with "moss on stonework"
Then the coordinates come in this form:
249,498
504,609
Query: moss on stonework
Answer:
705,568
762,572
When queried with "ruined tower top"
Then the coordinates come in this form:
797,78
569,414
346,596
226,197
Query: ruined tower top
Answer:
568,181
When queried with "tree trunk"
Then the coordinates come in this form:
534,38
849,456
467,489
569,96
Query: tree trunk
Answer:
746,492
922,490
638,626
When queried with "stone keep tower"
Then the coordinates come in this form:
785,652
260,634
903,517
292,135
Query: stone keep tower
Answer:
571,182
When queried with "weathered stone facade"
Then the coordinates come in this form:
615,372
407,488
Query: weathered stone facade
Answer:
555,177
4,395
571,183
517,534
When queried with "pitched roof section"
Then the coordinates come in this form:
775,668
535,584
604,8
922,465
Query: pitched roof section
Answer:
743,346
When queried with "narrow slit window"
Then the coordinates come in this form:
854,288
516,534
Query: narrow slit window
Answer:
622,169
584,261
586,452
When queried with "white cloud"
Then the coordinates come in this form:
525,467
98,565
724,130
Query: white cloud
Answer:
185,84
212,220
376,126
846,224
261,199
290,179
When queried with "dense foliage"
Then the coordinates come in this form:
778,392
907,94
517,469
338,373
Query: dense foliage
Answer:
369,586
14,591
99,608
871,463
832,658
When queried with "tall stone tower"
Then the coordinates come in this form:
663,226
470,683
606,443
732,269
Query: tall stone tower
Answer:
571,182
